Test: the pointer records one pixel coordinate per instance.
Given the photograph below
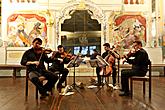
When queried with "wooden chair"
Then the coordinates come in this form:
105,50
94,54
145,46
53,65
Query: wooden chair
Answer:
144,79
26,88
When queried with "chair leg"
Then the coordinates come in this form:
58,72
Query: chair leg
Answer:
66,82
131,86
144,88
26,88
36,93
150,89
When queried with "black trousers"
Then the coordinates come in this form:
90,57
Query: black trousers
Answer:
52,79
98,69
62,71
125,74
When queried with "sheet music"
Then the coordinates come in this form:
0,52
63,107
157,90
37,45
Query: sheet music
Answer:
102,61
75,62
92,63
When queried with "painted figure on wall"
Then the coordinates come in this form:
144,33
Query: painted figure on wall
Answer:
127,29
22,35
35,32
23,28
17,37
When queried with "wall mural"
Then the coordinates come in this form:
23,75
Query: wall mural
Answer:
128,28
23,28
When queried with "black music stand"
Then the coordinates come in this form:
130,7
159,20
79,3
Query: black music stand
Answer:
75,63
93,63
102,63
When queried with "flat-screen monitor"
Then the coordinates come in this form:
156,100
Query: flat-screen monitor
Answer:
91,49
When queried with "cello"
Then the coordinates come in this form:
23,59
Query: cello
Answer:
107,70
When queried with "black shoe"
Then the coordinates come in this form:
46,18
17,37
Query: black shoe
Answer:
124,94
97,84
44,95
121,90
59,87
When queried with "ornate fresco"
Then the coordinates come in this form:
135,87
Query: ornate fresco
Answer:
128,28
23,28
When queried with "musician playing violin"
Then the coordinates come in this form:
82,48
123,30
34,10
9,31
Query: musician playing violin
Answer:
60,58
107,56
139,63
34,59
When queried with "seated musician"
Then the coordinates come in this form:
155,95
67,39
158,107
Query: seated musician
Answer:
94,54
139,66
106,55
60,58
34,59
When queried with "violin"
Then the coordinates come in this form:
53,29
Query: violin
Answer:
129,54
63,54
66,55
42,50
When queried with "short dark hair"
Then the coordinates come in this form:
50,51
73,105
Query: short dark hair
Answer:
94,50
107,45
37,39
60,46
138,42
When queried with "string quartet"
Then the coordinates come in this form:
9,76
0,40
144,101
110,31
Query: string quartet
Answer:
108,60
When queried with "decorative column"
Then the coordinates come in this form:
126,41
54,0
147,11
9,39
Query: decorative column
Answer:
50,30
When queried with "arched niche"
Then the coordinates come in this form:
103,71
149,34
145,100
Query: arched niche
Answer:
95,12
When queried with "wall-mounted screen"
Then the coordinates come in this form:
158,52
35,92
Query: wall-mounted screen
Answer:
91,49
84,50
76,50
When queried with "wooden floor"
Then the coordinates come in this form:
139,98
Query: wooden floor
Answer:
12,97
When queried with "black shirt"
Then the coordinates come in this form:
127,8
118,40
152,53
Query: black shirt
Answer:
106,53
56,64
30,55
140,61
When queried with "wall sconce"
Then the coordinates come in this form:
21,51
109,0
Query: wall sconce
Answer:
50,19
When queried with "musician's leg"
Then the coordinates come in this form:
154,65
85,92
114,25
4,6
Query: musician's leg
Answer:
64,73
34,78
114,76
98,75
52,79
125,74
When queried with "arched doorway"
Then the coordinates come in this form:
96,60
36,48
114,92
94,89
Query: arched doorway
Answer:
80,33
